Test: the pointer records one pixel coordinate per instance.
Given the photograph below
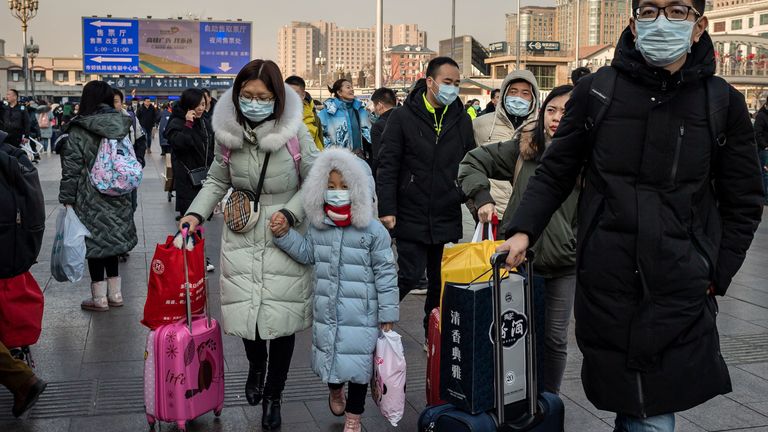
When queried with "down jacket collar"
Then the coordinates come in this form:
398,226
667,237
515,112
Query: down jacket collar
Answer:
271,135
354,173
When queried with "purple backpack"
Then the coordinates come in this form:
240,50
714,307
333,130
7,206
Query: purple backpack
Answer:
293,148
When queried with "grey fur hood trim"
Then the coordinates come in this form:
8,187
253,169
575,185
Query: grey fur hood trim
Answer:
355,175
270,135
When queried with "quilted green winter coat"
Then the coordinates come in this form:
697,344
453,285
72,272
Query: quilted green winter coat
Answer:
260,284
108,218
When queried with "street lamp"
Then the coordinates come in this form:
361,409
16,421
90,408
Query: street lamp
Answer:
24,11
320,63
32,51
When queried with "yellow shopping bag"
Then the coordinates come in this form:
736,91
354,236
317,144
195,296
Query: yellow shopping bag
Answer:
468,262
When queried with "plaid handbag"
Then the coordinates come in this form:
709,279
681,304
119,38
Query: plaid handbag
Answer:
241,211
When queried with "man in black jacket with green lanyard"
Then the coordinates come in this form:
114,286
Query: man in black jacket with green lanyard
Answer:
419,197
666,216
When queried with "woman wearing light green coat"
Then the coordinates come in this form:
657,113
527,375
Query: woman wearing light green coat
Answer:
265,295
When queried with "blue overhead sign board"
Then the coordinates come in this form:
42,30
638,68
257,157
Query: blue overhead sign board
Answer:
224,47
165,47
110,46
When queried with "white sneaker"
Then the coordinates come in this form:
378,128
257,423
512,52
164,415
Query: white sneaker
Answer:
422,291
208,266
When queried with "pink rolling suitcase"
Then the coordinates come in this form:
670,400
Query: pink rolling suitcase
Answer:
184,368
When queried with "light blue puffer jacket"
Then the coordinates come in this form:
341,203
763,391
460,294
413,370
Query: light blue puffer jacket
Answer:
355,277
336,123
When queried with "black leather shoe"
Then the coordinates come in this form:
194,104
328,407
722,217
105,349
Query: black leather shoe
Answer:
26,397
271,419
254,386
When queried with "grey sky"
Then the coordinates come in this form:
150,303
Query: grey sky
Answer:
57,27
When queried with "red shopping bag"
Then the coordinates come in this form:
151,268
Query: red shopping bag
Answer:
21,311
166,298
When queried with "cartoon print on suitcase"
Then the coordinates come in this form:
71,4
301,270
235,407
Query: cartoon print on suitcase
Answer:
184,368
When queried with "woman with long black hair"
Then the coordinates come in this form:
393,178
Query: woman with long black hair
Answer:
516,161
108,218
190,135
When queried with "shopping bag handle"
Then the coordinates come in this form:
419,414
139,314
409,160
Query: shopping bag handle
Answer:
481,226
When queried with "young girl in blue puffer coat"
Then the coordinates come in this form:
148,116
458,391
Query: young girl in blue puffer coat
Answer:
356,290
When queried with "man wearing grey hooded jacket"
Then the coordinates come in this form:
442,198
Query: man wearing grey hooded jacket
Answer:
519,102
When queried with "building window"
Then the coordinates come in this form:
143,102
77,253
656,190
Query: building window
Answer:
719,26
545,76
764,19
62,76
80,76
14,75
39,76
751,22
736,24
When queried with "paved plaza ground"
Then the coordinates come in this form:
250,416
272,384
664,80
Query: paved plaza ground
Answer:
94,361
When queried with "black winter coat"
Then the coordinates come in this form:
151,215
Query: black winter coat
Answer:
654,230
147,117
416,178
377,130
15,121
761,128
192,147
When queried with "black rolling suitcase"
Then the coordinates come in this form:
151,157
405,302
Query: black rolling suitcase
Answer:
518,406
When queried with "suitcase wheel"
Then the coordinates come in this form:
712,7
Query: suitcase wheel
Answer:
182,425
151,421
217,412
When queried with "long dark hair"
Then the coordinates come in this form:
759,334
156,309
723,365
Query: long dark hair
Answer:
269,73
94,94
190,99
539,134
336,87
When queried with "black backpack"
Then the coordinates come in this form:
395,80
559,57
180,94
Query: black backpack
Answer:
22,213
601,95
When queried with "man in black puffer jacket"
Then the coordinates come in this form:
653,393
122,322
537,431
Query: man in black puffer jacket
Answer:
664,224
419,196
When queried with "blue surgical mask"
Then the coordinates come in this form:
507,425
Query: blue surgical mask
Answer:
337,197
517,106
663,42
446,94
255,111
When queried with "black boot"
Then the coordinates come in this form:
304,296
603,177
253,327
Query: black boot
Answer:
271,419
254,386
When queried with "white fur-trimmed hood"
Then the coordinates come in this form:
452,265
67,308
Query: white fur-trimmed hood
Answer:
271,135
357,177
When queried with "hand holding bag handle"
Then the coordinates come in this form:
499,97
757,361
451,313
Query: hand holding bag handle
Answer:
498,261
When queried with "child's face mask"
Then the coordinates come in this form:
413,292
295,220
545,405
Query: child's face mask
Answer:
337,197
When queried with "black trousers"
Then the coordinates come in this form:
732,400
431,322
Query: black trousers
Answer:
355,396
280,351
412,259
97,267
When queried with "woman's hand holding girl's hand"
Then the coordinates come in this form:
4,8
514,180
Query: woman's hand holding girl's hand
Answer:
279,225
387,327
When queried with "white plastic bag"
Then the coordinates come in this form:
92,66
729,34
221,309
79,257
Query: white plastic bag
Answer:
388,382
68,254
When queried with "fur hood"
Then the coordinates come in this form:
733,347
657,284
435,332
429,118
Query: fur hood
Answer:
271,135
525,135
355,174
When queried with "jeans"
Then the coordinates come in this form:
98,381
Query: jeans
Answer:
97,267
659,423
764,163
559,293
148,134
412,259
281,351
355,396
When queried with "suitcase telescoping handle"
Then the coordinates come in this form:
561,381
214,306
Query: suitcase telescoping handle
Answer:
184,234
187,285
498,262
